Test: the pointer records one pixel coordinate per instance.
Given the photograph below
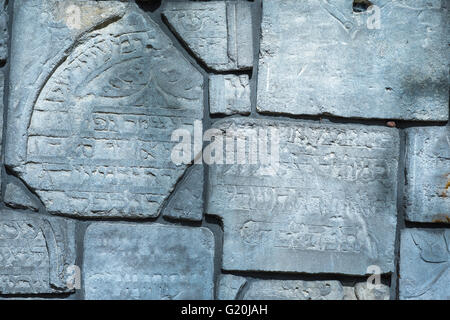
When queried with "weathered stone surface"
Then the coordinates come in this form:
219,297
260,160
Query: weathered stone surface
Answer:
319,57
219,33
311,290
328,205
230,286
35,252
92,106
424,264
128,261
16,197
3,31
229,94
427,190
187,202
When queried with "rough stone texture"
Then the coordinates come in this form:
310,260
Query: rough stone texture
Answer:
427,190
187,202
219,33
16,197
318,57
92,107
229,94
328,206
424,264
3,31
230,286
130,261
35,252
311,290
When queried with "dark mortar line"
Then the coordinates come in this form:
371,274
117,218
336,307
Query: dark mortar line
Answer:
256,30
394,290
426,225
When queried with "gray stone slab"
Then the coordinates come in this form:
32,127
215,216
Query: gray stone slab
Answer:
427,189
92,107
327,206
17,197
230,286
219,33
311,290
229,94
319,57
3,31
35,253
187,202
130,261
425,264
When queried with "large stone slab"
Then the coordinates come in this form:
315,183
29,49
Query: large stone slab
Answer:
93,103
312,290
229,94
427,190
129,261
425,264
327,206
320,57
219,33
35,253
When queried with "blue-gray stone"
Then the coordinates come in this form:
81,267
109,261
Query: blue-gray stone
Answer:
229,94
328,206
35,253
17,197
425,264
96,91
427,189
137,261
320,57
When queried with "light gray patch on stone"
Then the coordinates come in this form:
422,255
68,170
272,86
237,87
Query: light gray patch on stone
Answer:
229,94
319,57
427,189
219,33
380,292
294,290
327,206
16,197
92,107
3,31
187,202
229,287
130,261
35,253
425,264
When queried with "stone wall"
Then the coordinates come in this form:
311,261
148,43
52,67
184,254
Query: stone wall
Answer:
318,163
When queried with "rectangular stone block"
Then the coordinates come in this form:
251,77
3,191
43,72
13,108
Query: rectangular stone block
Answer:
229,94
428,174
97,89
319,57
425,264
130,261
219,33
326,205
35,253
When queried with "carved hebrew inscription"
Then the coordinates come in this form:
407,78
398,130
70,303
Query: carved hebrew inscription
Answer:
329,206
35,252
99,138
125,261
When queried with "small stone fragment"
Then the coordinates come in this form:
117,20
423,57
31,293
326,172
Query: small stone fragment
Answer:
16,197
187,202
219,33
427,189
230,286
425,264
229,94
